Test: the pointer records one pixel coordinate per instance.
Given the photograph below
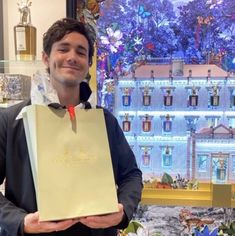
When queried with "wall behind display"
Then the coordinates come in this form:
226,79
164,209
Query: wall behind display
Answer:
1,32
43,14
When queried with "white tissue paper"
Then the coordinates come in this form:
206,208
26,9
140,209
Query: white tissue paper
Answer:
42,92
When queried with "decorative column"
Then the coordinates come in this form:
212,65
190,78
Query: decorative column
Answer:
193,155
188,156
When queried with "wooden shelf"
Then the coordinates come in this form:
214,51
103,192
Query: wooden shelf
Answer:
205,196
10,103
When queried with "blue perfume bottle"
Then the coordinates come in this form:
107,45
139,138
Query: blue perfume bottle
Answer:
221,172
167,158
167,124
126,124
146,97
126,97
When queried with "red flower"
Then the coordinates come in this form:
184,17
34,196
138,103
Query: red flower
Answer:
150,46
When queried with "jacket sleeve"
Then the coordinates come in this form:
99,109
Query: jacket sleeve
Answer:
127,175
11,217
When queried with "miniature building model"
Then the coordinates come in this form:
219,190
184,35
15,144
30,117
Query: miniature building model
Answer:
166,113
215,154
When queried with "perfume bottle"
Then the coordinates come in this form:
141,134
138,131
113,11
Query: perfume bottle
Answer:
189,76
170,77
214,99
146,157
25,34
167,124
146,124
168,98
126,98
208,75
221,171
167,157
146,97
126,124
193,98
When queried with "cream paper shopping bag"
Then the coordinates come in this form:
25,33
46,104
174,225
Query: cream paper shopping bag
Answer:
29,127
73,163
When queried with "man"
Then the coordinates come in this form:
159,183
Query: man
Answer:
67,54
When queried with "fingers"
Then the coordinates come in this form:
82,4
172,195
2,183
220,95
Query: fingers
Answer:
99,221
104,221
57,226
62,225
33,225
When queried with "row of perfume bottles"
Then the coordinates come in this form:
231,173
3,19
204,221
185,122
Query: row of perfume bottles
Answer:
193,99
146,155
147,124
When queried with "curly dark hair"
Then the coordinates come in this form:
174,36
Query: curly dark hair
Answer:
65,26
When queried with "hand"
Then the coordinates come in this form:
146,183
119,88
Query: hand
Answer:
32,224
104,221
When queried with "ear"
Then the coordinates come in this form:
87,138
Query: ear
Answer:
45,59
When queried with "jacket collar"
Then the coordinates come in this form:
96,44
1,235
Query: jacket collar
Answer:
85,91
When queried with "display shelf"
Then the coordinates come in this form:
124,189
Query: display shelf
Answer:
21,67
10,103
233,196
205,196
15,80
233,203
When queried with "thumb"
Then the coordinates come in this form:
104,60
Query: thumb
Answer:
32,218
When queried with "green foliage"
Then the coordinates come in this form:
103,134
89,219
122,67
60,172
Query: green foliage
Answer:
166,179
132,227
228,229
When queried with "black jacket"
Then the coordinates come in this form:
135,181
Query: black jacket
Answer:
20,197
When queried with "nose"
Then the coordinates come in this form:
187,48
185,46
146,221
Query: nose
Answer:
72,57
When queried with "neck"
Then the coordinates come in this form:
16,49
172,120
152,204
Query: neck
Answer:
68,95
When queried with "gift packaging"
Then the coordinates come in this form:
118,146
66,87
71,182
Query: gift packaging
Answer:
15,86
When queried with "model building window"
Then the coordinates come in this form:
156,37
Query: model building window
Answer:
202,162
232,122
233,163
212,121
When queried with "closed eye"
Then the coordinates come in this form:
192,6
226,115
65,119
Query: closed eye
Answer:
63,49
81,53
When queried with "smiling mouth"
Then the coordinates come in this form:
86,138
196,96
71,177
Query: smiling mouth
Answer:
71,67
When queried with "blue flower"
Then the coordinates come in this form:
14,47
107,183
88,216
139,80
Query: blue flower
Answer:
205,232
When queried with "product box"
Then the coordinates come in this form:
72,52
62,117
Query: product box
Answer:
177,68
15,86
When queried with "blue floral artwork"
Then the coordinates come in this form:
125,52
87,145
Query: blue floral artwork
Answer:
143,13
206,232
131,33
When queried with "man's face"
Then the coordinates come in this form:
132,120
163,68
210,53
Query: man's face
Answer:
68,61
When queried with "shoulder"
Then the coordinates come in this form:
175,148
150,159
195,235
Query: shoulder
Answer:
12,112
109,117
